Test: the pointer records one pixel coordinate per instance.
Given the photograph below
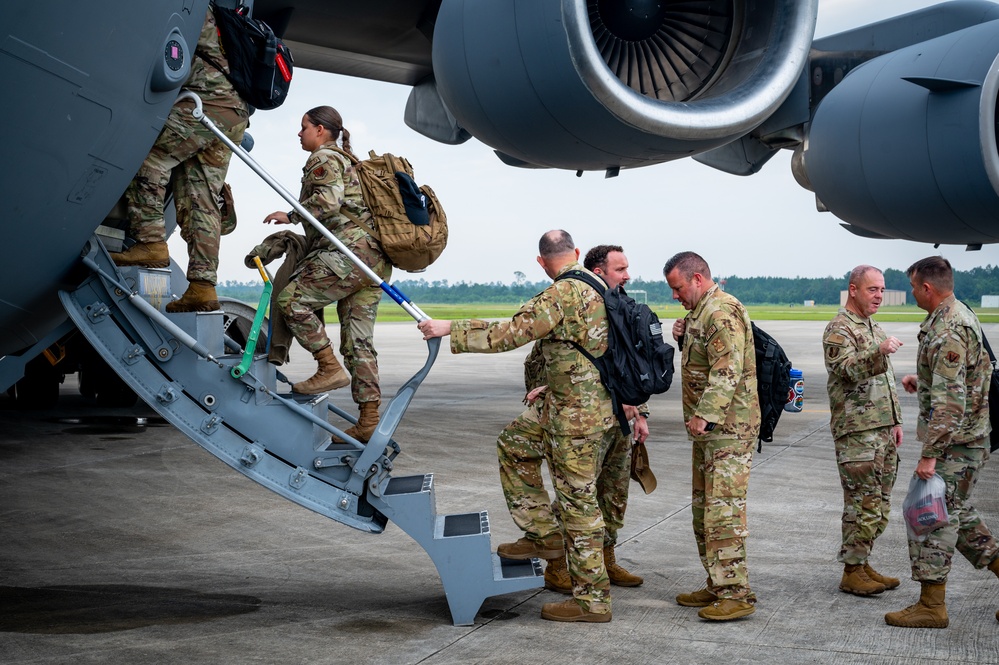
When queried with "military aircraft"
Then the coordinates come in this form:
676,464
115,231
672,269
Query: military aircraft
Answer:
892,124
893,127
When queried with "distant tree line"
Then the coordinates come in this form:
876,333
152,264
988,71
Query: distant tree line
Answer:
969,285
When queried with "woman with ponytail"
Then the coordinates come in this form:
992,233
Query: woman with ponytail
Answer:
326,275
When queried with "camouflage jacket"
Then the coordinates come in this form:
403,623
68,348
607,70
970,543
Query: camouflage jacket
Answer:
953,373
576,402
205,80
719,368
861,382
535,374
329,183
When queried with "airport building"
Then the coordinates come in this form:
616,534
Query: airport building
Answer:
891,297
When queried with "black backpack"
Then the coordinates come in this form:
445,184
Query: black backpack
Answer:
773,379
260,65
638,362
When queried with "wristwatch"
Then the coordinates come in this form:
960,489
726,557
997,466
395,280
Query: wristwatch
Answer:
644,415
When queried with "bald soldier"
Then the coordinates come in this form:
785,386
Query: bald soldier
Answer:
576,413
866,426
520,452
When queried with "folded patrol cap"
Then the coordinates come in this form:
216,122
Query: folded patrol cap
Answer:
640,470
413,199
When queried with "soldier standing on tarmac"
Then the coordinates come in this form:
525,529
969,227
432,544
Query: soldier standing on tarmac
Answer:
576,414
952,382
520,452
722,413
866,425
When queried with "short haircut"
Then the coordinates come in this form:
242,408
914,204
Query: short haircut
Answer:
555,243
597,256
933,270
687,263
858,273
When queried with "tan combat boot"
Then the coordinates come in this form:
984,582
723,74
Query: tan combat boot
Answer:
616,573
726,609
570,610
199,297
557,576
329,376
145,254
366,423
700,598
889,582
551,547
856,581
929,612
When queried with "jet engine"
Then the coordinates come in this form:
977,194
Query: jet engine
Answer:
605,84
905,145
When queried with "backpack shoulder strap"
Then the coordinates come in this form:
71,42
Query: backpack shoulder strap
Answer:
354,161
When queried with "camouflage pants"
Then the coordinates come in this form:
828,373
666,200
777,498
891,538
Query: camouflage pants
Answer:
612,485
575,464
329,277
718,503
868,466
520,451
965,531
198,162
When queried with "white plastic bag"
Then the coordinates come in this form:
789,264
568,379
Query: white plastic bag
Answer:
925,506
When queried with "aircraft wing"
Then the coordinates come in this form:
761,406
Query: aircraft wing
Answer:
386,40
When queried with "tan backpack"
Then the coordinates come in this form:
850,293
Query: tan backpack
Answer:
408,221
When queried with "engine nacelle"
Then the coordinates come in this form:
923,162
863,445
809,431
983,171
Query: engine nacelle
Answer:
905,145
602,84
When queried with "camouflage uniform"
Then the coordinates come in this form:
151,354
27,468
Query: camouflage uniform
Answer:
326,275
575,414
520,453
953,373
719,385
199,161
865,410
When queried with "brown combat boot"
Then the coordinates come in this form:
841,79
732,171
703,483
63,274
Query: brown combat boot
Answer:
726,609
199,297
329,376
570,610
856,581
551,547
929,612
366,423
889,582
700,598
145,254
994,566
616,573
557,576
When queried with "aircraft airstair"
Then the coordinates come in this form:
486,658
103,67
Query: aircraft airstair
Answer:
198,378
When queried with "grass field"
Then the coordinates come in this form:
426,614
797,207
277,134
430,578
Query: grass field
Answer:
390,312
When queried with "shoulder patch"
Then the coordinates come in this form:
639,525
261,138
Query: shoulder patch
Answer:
836,338
952,358
832,352
711,330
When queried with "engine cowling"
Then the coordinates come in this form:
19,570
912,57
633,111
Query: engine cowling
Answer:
601,84
905,145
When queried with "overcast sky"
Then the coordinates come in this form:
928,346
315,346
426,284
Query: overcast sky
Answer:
497,213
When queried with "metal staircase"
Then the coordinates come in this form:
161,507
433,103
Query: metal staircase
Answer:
181,365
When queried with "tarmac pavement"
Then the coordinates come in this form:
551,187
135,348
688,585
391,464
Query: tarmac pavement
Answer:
121,541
